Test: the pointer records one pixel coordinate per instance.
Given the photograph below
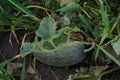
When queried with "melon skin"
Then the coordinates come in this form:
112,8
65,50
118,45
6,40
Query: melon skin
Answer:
67,55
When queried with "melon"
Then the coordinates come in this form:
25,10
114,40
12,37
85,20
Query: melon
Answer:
67,54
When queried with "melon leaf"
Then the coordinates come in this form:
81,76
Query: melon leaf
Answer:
61,39
65,20
47,45
27,49
47,29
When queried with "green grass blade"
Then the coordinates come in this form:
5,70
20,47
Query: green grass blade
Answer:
105,18
23,9
109,55
4,20
2,65
101,41
85,21
23,70
106,24
104,15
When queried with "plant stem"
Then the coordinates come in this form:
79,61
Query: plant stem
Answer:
107,72
45,9
89,49
81,76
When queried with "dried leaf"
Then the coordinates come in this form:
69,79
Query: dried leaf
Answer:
30,70
110,49
98,69
12,67
31,74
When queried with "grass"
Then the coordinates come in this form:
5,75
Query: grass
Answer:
97,22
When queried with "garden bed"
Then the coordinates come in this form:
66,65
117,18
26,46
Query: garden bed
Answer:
33,34
44,71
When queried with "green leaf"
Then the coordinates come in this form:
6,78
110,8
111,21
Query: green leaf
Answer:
27,49
61,39
67,9
105,18
47,45
116,46
85,21
65,20
51,37
72,15
47,29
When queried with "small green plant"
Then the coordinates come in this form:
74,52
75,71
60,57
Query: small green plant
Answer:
50,37
55,47
56,41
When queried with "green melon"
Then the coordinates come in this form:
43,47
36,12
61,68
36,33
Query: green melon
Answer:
67,55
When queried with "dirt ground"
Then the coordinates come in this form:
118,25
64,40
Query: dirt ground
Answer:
9,48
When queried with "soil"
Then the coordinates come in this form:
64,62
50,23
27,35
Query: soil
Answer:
9,48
